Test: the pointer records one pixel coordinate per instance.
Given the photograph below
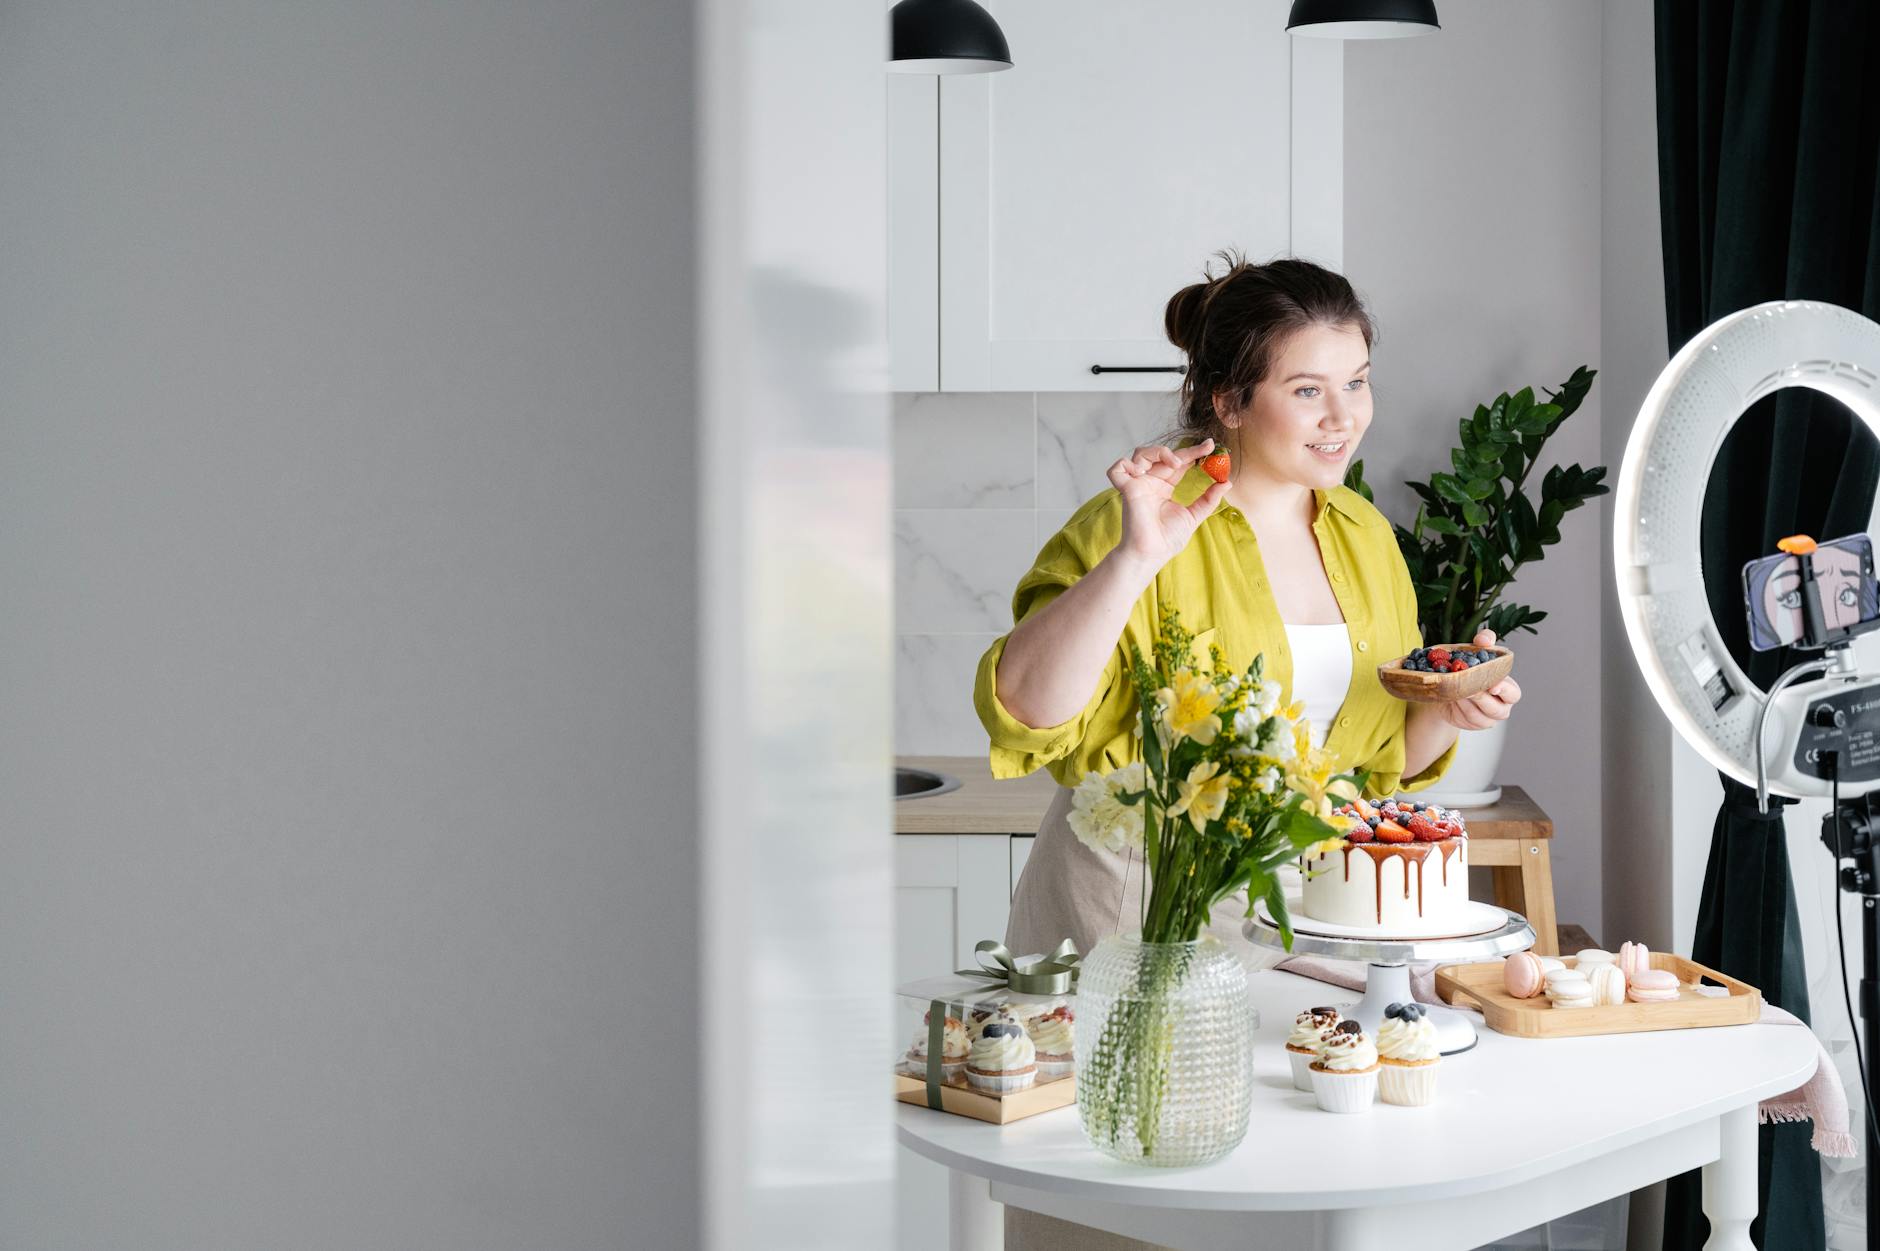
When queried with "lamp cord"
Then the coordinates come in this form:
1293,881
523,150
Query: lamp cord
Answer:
1840,943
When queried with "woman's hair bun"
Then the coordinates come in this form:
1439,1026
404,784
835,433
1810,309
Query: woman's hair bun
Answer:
1183,318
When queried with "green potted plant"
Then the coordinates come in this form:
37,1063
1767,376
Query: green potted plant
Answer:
1476,526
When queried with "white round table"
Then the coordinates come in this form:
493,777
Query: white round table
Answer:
1522,1131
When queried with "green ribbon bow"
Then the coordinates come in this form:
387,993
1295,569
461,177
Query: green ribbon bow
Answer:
1053,974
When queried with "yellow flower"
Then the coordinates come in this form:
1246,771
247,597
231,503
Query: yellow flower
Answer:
1189,708
1203,795
1320,848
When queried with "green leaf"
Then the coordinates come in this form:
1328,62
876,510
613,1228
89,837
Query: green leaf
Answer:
1276,904
1450,488
1474,514
1443,525
1354,478
1479,488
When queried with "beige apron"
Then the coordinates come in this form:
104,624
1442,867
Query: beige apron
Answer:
1069,890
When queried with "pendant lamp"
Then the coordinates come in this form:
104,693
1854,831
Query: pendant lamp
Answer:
945,37
1362,19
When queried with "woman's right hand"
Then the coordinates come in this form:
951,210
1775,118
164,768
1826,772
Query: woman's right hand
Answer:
1155,527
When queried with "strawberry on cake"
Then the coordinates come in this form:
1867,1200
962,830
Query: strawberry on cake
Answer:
1404,868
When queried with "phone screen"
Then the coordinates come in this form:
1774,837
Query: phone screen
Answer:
1844,587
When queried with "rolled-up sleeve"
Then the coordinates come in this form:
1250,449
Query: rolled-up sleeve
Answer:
1387,777
1097,736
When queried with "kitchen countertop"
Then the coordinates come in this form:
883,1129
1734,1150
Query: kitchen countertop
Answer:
982,804
985,805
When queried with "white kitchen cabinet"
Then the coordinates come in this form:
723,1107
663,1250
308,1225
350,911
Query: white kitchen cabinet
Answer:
1040,218
950,891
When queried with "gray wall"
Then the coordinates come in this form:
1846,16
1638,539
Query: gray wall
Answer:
333,339
1472,225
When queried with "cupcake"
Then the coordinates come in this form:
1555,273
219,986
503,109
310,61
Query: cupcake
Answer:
1344,1077
989,1014
1407,1056
1050,1034
1003,1059
952,1049
1310,1028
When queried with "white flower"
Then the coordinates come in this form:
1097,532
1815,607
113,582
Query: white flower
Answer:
1099,818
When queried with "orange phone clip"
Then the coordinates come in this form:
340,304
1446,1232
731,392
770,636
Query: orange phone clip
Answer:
1796,545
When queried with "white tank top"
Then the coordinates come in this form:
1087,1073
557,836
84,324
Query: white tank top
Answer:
1321,672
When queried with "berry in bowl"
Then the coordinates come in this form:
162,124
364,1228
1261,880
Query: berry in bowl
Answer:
1442,674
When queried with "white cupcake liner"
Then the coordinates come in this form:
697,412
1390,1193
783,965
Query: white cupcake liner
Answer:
1003,1083
1407,1085
917,1065
1062,1067
1344,1092
1301,1069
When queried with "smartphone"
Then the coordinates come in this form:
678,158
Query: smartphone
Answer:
1844,588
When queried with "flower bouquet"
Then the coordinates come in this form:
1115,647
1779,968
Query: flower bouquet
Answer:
1229,789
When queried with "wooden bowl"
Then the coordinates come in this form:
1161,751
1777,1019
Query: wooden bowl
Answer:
1445,688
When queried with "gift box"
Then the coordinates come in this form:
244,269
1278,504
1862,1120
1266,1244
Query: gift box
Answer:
992,1043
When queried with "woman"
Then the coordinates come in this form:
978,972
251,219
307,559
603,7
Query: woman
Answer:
1282,559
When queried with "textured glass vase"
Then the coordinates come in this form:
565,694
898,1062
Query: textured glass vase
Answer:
1164,1040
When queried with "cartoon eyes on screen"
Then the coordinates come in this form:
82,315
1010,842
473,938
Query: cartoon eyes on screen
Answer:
1777,591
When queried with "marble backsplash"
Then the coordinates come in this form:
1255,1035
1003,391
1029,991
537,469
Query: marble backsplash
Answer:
981,480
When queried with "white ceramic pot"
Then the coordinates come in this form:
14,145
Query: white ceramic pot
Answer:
1470,779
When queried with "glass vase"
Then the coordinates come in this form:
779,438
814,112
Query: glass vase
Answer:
1164,1040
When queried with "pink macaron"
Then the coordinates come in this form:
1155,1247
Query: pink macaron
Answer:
1653,986
1521,974
1634,958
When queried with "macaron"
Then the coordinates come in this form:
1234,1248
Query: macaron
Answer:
1608,982
1572,991
1587,957
1653,986
1553,975
1550,964
1521,974
1634,958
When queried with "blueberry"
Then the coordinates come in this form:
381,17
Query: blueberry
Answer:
1413,1012
1393,1009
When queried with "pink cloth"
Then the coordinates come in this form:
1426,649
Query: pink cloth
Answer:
1821,1099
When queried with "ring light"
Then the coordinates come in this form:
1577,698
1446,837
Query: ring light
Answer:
1659,502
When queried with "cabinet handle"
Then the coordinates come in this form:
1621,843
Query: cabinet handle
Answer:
1138,369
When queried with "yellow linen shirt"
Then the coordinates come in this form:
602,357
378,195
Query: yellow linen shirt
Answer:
1218,582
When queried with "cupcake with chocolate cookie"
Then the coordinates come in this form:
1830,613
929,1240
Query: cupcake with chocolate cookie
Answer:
1310,1029
1344,1077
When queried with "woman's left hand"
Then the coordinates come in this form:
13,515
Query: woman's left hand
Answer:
1479,712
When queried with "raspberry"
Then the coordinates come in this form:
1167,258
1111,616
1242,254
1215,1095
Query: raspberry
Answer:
1424,830
1358,834
1440,655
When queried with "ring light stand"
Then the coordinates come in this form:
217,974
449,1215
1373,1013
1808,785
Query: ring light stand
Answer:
1823,714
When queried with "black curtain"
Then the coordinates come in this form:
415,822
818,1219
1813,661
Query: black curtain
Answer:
1768,139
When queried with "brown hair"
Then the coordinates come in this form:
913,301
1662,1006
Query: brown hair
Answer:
1233,326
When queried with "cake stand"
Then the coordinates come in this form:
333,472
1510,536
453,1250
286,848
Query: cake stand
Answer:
1387,961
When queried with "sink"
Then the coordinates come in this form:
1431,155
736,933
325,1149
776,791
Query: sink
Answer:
922,783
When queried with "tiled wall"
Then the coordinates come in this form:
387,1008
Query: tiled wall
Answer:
980,481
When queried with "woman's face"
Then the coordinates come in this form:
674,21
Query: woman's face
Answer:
1311,410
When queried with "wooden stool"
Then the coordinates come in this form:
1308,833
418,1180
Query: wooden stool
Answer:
1513,839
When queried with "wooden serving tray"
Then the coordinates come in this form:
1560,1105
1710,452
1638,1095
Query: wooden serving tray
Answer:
1445,688
1481,985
